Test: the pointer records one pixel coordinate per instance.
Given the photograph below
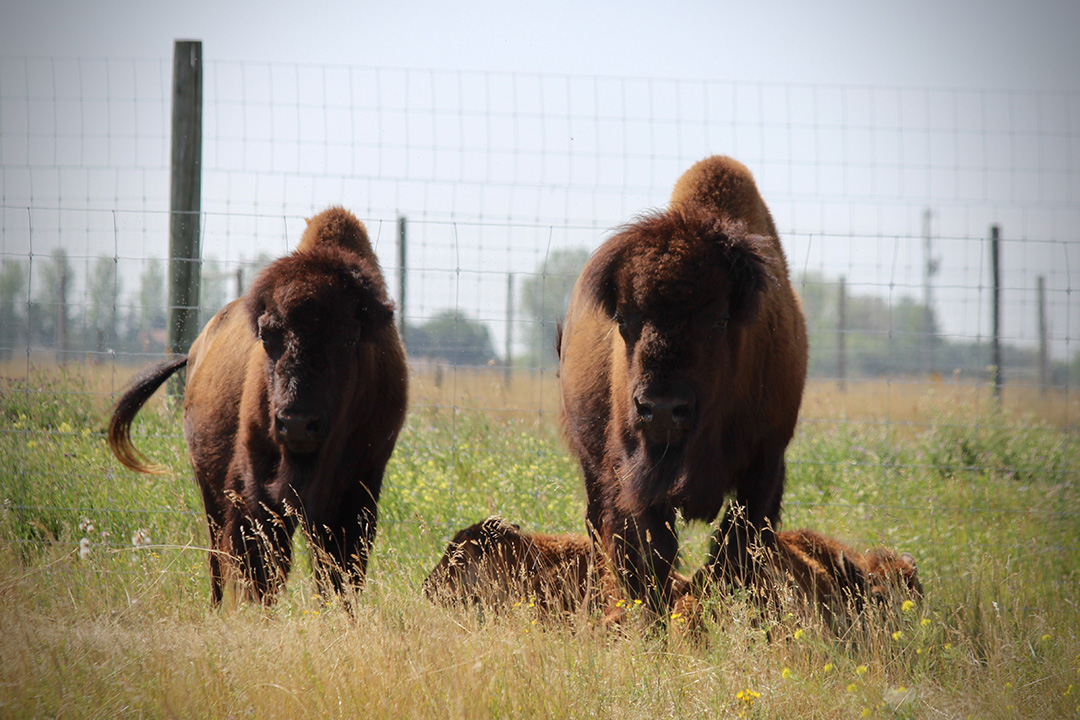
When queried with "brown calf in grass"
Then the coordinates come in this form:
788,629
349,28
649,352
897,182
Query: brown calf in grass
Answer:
295,396
682,363
495,563
838,578
827,577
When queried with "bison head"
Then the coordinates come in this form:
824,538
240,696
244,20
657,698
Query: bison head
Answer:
315,313
681,287
482,562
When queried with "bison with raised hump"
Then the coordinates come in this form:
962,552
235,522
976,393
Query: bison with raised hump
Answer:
295,396
682,364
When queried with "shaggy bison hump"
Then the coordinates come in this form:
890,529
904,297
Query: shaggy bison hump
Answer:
682,363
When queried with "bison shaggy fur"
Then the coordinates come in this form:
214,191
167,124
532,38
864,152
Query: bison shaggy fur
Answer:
824,576
836,577
682,364
494,564
294,398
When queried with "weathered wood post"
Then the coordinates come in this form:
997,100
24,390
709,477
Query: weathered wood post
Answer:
185,196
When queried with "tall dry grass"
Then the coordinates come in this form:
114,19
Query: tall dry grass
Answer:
984,495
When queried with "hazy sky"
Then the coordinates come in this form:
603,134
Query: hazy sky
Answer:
995,44
854,116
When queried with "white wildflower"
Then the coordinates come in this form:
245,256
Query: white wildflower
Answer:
84,548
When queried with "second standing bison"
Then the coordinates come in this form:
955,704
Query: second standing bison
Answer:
295,396
682,364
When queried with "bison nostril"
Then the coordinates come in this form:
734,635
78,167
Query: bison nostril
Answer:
298,427
644,410
666,413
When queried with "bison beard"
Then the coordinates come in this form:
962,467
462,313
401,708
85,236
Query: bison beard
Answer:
682,364
295,396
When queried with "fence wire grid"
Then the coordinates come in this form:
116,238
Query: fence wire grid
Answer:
884,199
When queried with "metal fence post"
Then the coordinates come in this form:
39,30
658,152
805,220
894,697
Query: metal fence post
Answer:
841,334
995,269
402,267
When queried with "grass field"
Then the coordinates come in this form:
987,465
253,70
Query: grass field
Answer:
985,495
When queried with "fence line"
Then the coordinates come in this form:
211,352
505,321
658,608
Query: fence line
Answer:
505,181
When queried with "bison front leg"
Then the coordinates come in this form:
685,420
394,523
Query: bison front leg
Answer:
260,543
643,548
747,530
341,548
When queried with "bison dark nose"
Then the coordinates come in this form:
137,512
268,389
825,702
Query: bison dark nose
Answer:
299,432
665,417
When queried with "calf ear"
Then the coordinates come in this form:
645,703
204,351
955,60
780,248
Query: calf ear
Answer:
750,276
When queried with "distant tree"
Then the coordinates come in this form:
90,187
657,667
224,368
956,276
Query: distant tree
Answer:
103,292
544,299
57,278
12,324
881,338
149,313
452,337
212,289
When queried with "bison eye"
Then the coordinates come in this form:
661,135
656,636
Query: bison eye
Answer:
720,325
272,339
625,326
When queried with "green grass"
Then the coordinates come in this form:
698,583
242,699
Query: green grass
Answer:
988,501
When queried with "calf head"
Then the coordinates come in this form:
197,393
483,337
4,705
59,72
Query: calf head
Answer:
892,576
314,313
480,563
681,288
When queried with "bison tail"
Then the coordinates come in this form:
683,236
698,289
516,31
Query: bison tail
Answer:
139,391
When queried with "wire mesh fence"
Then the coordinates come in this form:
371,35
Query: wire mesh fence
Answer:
884,199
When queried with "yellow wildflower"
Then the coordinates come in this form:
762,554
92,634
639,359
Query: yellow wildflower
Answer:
908,606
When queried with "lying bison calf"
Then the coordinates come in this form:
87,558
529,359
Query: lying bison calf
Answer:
838,578
295,396
826,576
495,564
682,363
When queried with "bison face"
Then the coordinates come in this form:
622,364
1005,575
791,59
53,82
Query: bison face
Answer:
680,287
314,315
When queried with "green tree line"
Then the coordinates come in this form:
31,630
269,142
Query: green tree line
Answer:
877,338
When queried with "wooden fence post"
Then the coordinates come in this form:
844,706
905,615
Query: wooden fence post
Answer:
185,196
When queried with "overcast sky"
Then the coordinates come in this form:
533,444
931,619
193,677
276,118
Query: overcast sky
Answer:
993,44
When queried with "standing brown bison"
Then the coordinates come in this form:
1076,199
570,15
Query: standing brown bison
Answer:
295,396
682,364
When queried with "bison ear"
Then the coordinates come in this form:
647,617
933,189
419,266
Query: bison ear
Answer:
374,315
750,276
598,277
255,303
